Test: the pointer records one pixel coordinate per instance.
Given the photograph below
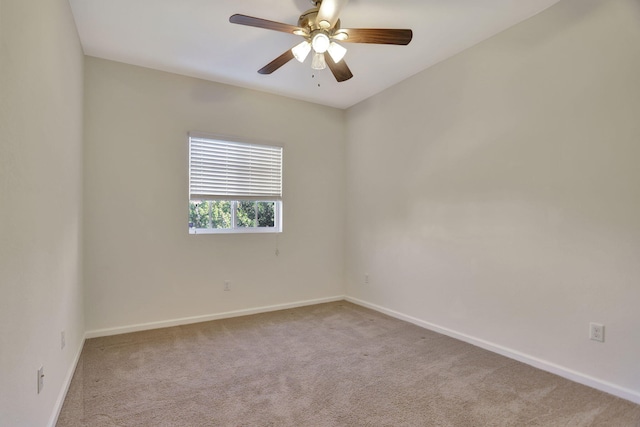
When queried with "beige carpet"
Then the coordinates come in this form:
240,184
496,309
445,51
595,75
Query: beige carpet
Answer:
334,364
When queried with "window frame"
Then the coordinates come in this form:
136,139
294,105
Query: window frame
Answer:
235,229
235,199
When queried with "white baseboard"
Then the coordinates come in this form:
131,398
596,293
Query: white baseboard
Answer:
205,318
544,365
65,386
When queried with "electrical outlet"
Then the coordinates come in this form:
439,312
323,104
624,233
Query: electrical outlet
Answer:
63,340
227,285
596,332
366,279
40,379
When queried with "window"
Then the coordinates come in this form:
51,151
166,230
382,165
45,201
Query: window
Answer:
234,187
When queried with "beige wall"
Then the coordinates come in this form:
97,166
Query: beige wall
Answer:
494,196
497,194
40,206
141,265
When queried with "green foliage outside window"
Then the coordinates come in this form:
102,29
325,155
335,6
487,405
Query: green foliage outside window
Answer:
210,214
266,214
247,211
246,214
218,214
198,214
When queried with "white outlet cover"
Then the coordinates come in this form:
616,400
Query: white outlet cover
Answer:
596,332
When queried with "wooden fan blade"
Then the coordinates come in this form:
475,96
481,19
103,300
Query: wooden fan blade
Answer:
330,11
340,70
263,23
277,63
377,36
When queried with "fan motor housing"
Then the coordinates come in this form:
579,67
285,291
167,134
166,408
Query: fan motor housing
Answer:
309,20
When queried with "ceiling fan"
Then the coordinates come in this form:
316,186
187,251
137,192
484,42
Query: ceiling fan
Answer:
320,28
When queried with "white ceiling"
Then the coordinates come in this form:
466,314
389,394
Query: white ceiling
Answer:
195,38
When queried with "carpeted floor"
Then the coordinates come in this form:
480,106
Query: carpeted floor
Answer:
333,364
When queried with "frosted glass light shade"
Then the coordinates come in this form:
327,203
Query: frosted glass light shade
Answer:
337,52
301,51
318,62
340,35
320,42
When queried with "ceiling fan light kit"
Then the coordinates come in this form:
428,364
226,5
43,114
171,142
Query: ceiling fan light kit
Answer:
320,27
301,51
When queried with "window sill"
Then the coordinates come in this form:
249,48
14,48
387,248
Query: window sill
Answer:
246,230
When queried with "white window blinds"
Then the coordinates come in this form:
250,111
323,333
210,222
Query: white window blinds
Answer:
229,170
